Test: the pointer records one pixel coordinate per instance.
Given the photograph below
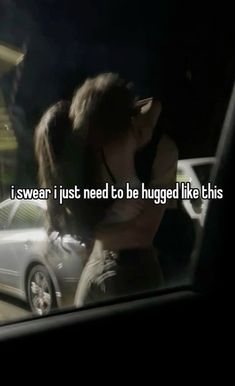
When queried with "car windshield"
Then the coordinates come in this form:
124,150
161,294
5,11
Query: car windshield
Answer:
99,103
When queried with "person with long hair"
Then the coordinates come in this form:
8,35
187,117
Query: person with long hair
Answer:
87,143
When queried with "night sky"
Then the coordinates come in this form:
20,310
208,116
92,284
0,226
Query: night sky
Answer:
184,54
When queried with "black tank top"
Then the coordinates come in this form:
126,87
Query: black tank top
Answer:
144,158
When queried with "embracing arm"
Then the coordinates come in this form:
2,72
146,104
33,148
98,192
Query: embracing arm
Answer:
136,233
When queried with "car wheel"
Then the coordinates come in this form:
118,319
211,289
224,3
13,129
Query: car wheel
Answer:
41,295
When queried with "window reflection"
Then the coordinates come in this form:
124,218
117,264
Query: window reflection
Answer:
43,61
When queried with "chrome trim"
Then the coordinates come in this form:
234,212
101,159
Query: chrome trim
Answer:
13,290
9,272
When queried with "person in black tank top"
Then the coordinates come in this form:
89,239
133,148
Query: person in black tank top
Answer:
176,235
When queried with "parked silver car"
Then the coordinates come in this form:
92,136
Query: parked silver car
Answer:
40,271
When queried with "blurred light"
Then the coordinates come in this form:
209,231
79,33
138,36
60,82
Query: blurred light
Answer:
10,55
9,58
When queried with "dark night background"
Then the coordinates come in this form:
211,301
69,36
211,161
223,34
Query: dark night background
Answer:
180,52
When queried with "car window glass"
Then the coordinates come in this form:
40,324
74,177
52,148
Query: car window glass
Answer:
4,215
98,95
28,216
203,172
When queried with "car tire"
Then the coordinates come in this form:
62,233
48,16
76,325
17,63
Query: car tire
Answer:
40,291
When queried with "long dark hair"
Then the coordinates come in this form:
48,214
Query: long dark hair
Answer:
68,141
55,148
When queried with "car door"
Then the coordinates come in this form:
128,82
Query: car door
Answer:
19,238
187,174
7,265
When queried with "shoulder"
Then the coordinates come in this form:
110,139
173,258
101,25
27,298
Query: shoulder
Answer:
167,149
165,161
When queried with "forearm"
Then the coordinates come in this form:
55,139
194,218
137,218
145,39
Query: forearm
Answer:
122,236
